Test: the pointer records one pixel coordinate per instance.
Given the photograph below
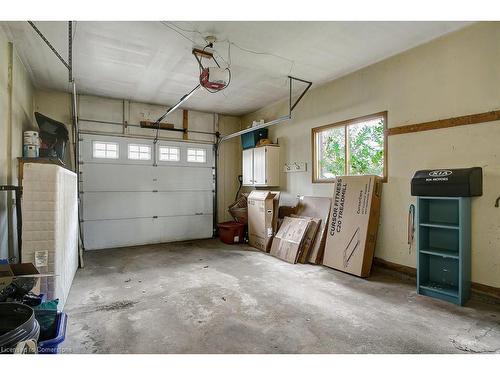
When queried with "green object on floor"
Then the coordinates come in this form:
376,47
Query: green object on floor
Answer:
47,305
46,315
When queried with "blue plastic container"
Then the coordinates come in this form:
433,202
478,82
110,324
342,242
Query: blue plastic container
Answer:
51,346
250,139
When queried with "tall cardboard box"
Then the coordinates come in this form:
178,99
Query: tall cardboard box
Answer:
262,218
353,224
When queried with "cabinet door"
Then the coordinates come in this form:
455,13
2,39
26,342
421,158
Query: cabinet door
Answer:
247,167
259,165
272,166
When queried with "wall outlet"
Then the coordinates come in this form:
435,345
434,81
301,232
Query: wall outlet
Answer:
295,167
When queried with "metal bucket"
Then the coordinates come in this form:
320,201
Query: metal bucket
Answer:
17,323
31,151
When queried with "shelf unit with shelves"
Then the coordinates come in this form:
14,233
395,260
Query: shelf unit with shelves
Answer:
443,248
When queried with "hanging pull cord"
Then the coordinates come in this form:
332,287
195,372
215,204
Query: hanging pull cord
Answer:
411,227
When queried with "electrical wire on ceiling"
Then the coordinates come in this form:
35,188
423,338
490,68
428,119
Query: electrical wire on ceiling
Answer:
174,27
185,30
230,43
167,24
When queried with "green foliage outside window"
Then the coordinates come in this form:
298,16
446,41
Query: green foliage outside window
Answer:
366,148
365,152
332,159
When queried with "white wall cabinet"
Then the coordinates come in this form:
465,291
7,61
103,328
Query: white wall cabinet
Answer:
247,167
261,166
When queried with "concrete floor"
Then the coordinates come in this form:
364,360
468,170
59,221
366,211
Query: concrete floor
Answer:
207,297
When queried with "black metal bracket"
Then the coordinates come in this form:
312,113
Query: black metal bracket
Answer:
309,84
18,191
497,202
68,64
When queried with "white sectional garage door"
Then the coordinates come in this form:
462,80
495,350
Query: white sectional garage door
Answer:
133,202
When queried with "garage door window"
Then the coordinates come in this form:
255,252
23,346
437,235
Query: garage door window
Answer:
139,152
105,150
169,153
197,155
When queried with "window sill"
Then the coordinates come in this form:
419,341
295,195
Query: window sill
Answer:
332,181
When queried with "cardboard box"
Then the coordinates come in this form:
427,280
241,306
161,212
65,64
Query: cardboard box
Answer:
318,207
309,239
11,272
290,238
353,224
262,218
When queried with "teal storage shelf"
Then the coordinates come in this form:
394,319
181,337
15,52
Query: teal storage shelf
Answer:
435,225
443,248
441,253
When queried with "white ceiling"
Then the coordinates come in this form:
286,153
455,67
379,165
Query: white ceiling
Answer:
149,62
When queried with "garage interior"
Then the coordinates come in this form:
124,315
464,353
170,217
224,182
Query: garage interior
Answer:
202,187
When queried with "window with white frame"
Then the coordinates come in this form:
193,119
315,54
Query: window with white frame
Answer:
139,152
105,150
353,147
196,155
169,153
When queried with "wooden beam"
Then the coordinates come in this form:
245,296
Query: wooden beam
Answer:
477,118
185,123
200,53
152,125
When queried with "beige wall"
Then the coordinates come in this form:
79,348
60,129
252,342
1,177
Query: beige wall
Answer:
455,75
54,104
229,167
16,116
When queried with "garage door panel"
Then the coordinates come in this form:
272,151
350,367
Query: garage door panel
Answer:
116,205
119,177
130,232
184,178
185,228
104,234
130,202
116,177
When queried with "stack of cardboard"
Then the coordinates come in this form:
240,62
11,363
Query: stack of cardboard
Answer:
262,218
310,237
353,225
288,244
316,207
309,234
339,232
295,238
